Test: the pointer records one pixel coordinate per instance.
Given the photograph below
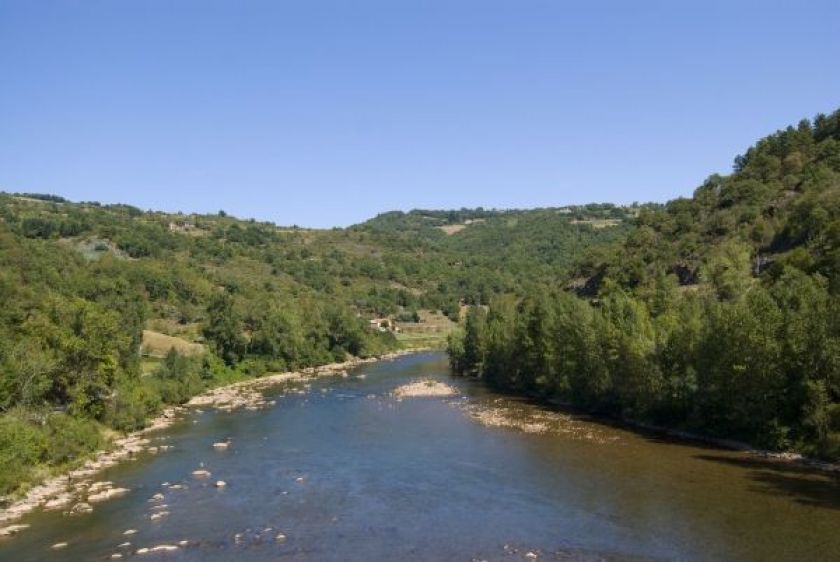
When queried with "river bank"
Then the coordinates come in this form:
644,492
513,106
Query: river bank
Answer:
74,491
680,435
347,470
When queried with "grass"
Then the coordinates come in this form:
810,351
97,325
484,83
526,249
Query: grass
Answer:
420,340
156,344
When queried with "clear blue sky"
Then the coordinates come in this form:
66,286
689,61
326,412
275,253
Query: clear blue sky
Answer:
326,113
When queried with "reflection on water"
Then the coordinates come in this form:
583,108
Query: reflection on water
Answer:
346,471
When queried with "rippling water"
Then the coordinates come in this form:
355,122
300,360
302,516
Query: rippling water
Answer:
346,472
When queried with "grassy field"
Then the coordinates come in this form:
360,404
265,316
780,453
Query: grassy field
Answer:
158,345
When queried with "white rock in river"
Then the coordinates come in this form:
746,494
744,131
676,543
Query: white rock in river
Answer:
221,445
12,530
129,531
107,494
99,486
59,546
81,507
201,473
221,483
164,548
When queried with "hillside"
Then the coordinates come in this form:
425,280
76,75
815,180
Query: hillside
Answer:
717,314
111,312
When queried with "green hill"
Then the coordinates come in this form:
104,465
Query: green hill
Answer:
717,314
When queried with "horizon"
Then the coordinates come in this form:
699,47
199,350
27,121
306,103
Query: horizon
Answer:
325,118
41,197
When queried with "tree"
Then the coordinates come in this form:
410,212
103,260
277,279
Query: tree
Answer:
224,329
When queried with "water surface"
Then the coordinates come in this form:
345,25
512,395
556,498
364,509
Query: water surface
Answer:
346,472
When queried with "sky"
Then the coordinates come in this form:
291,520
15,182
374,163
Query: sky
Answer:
324,114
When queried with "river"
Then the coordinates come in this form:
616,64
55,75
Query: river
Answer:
347,472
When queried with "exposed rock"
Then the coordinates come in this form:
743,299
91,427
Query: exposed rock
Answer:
280,537
158,515
157,497
81,507
99,486
221,446
164,548
58,502
201,473
221,483
107,494
129,531
12,530
59,546
427,387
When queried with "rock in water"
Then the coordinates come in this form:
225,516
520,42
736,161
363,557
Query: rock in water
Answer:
12,530
81,507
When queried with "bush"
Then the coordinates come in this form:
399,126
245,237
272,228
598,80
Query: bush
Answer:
22,446
178,378
131,404
71,438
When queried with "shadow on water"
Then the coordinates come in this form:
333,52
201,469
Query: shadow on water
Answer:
801,484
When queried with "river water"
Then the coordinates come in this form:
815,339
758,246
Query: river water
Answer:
347,472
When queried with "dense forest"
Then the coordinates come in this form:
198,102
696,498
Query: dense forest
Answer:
718,314
111,312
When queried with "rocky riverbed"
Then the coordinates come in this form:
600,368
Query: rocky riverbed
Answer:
77,492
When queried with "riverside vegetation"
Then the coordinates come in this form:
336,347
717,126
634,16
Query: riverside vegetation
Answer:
716,313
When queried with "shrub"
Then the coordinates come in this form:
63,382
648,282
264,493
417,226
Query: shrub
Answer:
71,438
131,404
22,446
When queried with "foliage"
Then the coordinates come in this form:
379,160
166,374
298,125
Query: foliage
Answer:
717,314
